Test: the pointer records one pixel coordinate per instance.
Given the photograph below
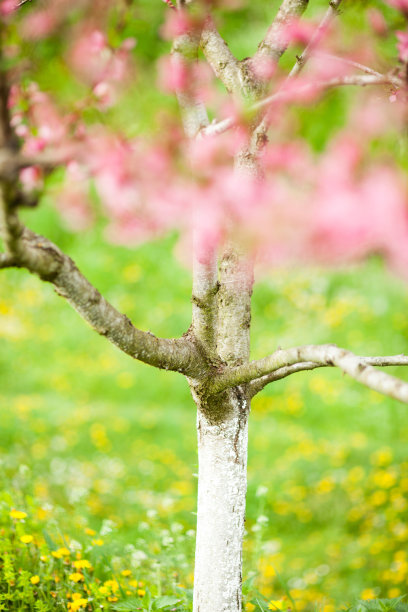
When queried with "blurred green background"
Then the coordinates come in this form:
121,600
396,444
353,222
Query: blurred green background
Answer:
100,451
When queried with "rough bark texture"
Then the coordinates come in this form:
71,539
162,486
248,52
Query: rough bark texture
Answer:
222,429
222,456
275,42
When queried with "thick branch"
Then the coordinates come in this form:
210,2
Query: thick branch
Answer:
275,42
204,300
193,111
40,256
359,368
7,261
217,53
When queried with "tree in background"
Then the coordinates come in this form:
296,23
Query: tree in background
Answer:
241,189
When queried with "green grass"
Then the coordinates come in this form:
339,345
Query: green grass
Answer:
92,440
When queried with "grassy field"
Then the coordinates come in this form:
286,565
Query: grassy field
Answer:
98,456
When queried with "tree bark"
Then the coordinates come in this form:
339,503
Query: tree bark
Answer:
222,483
222,428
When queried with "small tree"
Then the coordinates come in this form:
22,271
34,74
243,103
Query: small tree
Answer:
235,197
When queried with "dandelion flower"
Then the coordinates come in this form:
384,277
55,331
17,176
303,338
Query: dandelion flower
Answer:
126,572
112,585
35,579
77,604
277,605
367,594
18,514
97,542
90,532
61,552
82,564
76,577
26,539
141,592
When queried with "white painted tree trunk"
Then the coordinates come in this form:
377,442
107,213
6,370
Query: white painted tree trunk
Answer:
222,482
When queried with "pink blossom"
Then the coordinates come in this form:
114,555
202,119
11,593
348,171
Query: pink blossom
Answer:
377,21
31,177
8,6
402,46
401,5
298,31
177,23
39,24
172,74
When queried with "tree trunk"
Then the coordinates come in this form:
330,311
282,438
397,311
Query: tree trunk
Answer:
222,482
222,427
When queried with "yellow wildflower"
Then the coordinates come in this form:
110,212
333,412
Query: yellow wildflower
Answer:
112,585
61,552
141,592
44,558
249,606
133,583
97,542
90,532
35,579
104,590
77,604
367,594
18,514
112,599
126,572
277,604
26,539
82,564
76,577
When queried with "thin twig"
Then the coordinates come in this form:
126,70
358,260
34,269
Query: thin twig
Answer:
330,14
349,62
288,95
260,383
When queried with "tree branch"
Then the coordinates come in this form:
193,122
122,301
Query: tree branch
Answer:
217,53
255,386
40,256
258,384
293,93
194,114
359,368
330,14
7,261
348,62
275,42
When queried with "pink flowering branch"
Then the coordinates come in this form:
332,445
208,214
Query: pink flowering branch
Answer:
303,90
360,368
348,62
